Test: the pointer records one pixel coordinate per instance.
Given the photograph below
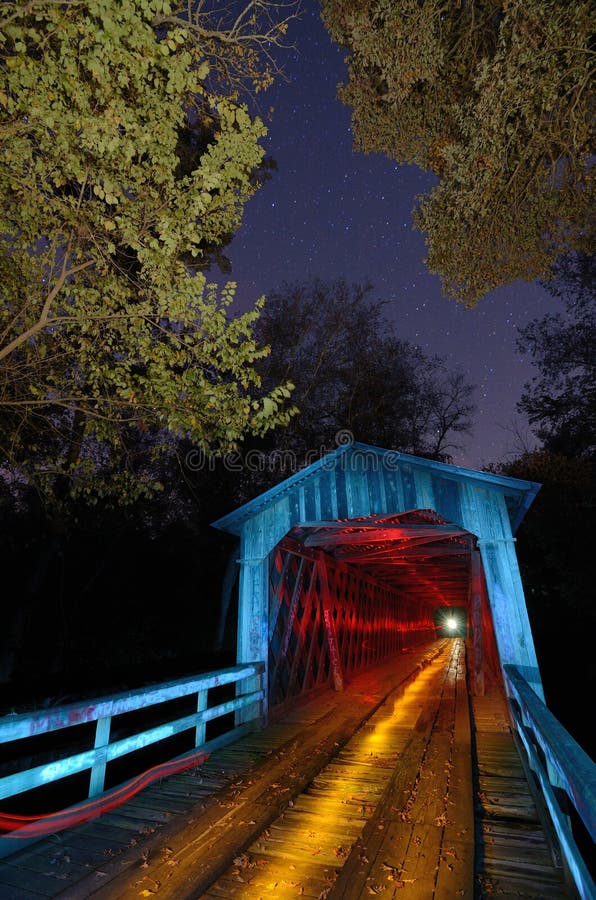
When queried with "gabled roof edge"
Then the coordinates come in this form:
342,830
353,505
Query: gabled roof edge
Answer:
525,491
241,512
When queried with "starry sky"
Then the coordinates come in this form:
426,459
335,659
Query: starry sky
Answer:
331,212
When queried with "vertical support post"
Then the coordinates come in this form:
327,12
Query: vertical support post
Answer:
485,514
476,598
510,616
253,632
336,667
201,707
98,770
259,536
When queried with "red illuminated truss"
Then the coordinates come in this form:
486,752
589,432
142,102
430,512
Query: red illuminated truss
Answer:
345,594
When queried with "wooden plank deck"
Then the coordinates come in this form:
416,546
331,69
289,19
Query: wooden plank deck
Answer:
355,793
80,861
517,855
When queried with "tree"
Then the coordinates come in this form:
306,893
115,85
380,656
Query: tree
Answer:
108,327
560,402
352,375
494,98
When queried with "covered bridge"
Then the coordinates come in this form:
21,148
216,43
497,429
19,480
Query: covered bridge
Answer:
363,553
433,768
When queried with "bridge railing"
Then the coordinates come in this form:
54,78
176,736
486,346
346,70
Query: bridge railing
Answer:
200,693
559,764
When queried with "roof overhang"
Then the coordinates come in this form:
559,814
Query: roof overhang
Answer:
519,494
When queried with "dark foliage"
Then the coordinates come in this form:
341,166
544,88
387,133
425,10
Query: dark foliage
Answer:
560,402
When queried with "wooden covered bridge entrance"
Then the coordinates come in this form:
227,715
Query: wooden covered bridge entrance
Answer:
355,557
383,638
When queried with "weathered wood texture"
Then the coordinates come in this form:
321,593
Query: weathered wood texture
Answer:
106,713
329,620
360,480
191,826
420,840
517,854
353,793
564,774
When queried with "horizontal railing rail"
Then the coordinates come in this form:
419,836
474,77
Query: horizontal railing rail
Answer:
102,711
559,763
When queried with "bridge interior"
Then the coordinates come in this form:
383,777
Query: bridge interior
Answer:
345,595
393,786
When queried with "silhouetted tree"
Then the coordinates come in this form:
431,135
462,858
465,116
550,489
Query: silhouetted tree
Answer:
560,402
353,374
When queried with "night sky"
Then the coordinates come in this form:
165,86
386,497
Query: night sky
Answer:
332,212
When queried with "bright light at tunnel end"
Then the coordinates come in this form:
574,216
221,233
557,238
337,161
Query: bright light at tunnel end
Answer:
451,624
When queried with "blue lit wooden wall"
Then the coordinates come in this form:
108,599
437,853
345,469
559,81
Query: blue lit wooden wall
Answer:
359,480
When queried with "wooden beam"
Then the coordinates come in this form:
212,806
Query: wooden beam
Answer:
367,534
476,603
336,668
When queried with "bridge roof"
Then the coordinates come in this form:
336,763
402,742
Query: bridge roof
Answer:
360,459
417,552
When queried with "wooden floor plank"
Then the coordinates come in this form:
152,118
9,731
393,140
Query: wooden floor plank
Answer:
228,808
402,847
514,857
390,814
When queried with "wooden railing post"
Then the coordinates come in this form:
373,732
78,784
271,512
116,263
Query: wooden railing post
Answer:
201,726
98,770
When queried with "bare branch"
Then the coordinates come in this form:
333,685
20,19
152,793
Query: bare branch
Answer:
44,319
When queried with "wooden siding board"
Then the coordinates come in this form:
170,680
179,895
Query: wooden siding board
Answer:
340,495
409,488
326,506
425,497
394,494
302,503
359,483
447,498
331,477
317,488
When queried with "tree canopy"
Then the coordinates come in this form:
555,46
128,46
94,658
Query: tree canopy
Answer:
495,98
108,213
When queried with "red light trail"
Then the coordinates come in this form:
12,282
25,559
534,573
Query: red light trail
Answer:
49,823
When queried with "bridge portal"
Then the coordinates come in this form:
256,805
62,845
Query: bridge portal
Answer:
352,559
